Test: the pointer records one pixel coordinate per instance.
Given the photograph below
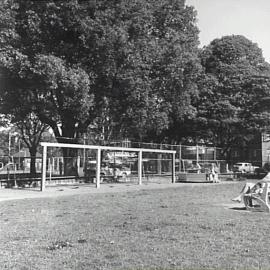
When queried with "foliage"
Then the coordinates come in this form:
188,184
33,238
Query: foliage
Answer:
123,67
235,81
31,131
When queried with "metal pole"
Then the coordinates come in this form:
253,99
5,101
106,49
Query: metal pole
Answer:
98,165
9,145
50,168
84,151
173,168
140,167
159,165
19,142
180,158
197,154
44,163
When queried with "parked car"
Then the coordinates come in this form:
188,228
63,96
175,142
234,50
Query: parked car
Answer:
244,167
107,171
116,171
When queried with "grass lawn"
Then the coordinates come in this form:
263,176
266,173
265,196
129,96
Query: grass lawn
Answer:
187,227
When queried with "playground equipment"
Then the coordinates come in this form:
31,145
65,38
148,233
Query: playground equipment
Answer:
97,152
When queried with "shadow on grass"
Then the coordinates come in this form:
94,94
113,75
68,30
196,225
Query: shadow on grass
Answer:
238,208
24,188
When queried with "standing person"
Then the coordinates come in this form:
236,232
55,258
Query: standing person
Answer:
213,176
198,166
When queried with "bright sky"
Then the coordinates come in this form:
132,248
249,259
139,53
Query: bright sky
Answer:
250,18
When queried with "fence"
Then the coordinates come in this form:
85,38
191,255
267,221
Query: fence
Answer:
118,162
186,156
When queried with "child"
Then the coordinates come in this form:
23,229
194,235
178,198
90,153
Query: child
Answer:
213,176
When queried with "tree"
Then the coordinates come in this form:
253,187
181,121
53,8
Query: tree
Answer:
125,67
72,61
236,78
173,71
31,131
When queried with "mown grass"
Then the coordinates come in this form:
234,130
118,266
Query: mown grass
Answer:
188,227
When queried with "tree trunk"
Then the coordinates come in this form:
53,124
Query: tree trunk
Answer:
33,153
69,135
70,161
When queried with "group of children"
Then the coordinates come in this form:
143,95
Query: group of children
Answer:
212,173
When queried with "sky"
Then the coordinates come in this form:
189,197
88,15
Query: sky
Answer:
250,18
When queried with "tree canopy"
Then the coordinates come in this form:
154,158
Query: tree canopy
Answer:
129,68
236,79
124,67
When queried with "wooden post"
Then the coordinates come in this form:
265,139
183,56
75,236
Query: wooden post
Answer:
98,165
44,165
173,168
140,167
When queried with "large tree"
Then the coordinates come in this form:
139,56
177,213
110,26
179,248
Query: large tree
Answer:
236,79
128,66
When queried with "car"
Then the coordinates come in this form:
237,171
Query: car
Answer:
107,171
116,171
244,167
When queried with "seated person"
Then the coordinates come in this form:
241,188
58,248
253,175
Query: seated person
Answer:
252,188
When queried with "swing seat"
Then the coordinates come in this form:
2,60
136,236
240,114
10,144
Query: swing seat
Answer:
258,202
